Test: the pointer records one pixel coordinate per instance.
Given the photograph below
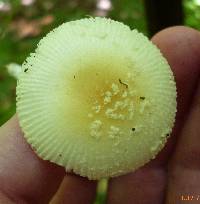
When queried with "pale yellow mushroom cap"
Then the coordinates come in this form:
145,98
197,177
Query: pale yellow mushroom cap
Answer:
96,98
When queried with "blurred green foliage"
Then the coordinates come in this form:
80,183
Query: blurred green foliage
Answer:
192,13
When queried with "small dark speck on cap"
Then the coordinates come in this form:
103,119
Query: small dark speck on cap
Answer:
142,97
133,129
26,70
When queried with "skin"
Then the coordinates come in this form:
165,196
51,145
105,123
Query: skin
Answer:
174,174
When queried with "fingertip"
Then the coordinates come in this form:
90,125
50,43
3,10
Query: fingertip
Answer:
73,185
181,46
177,35
23,174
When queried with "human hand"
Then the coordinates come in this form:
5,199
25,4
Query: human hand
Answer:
24,178
175,173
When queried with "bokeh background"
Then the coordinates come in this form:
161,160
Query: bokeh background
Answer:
24,22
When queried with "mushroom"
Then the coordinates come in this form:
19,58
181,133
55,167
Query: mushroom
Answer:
96,98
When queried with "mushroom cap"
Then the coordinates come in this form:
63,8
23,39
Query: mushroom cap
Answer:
96,98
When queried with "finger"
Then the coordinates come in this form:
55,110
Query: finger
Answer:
75,190
184,168
23,176
26,178
179,45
